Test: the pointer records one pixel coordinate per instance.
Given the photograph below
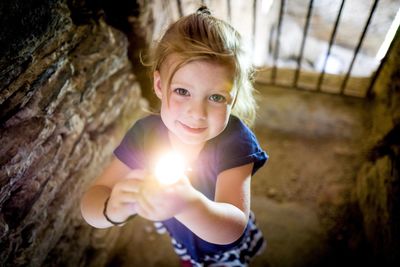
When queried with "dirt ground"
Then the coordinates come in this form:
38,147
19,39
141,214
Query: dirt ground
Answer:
299,200
301,197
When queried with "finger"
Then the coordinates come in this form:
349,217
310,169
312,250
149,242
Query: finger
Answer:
130,186
126,186
128,198
145,208
136,174
130,207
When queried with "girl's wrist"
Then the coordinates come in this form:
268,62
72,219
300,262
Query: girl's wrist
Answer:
115,223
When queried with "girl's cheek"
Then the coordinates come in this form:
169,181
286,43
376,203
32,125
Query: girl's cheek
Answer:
220,110
175,101
179,105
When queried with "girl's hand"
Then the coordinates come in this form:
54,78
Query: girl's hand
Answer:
123,199
158,202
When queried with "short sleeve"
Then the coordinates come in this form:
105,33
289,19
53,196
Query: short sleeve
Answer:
131,151
238,146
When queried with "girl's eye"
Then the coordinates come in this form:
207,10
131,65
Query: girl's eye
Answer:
182,92
217,98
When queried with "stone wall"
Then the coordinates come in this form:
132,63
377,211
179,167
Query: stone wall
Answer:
377,188
67,94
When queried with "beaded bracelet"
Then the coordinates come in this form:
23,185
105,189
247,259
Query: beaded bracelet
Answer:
111,221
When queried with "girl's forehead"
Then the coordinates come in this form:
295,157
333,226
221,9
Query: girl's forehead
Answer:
173,60
170,62
203,76
174,65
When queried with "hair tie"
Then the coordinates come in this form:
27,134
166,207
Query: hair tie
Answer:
111,221
204,10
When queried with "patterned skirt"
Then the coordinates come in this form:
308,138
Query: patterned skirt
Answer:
252,244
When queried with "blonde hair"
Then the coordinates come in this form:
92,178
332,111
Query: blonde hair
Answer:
200,36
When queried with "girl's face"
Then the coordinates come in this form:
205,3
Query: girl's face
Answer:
200,100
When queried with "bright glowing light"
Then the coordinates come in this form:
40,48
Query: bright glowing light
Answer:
170,168
389,37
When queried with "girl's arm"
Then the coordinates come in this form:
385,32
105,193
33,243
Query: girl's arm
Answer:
119,183
221,221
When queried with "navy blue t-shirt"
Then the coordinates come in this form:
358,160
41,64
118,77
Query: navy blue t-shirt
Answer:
234,147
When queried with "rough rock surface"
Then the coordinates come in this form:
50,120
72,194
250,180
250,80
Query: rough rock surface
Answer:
67,94
329,195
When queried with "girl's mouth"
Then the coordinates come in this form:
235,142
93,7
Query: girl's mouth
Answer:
194,130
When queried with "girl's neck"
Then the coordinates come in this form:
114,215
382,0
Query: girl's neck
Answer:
190,152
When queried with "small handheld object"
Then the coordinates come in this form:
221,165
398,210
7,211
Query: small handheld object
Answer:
170,168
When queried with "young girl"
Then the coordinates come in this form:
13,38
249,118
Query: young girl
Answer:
202,80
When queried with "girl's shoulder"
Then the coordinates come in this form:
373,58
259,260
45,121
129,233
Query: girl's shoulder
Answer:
145,124
151,120
145,129
237,145
236,129
237,138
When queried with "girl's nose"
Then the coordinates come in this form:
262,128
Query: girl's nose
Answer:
197,110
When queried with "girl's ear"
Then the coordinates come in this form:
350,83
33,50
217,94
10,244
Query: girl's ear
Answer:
157,84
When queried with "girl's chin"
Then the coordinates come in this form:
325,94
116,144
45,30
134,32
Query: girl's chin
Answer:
191,140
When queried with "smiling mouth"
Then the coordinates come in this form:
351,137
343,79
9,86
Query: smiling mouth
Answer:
194,130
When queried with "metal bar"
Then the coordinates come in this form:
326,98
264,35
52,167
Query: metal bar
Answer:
179,8
277,44
254,25
254,19
228,3
383,62
346,78
321,77
303,41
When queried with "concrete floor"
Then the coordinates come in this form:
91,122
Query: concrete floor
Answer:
300,196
